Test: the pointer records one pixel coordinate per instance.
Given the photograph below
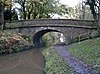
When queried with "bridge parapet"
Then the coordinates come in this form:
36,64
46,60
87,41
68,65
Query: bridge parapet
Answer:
51,23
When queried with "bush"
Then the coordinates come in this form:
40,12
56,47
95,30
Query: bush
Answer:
11,42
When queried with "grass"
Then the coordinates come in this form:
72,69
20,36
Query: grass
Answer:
54,64
87,51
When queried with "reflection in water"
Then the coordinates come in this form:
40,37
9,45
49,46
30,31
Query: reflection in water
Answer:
25,62
9,61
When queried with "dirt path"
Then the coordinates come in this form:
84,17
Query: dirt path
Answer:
26,62
77,65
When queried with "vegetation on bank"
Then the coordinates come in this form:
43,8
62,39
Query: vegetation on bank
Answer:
10,42
50,38
54,64
88,52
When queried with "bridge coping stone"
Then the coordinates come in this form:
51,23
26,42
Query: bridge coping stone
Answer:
50,22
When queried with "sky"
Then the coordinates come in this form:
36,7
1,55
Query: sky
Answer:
71,3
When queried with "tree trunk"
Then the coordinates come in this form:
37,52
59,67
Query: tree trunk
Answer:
98,22
99,15
30,12
29,15
1,17
24,11
83,10
35,13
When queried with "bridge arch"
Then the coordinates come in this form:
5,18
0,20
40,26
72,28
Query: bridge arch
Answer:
37,37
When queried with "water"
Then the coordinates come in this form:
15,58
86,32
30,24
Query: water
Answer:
26,62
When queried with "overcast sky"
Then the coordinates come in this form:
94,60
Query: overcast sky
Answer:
70,2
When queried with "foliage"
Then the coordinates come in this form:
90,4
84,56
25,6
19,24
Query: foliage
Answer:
50,38
87,51
5,3
94,6
32,9
80,11
55,64
10,15
27,38
16,48
95,10
10,42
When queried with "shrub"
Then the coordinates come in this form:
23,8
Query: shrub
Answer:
11,42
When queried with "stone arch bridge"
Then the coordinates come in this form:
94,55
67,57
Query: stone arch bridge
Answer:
36,28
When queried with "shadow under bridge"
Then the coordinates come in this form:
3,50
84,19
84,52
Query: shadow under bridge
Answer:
37,37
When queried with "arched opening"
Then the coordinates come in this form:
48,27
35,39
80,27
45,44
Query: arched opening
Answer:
38,40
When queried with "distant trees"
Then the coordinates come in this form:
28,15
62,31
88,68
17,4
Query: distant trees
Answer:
80,11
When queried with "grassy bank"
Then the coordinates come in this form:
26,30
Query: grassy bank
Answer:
54,64
87,51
